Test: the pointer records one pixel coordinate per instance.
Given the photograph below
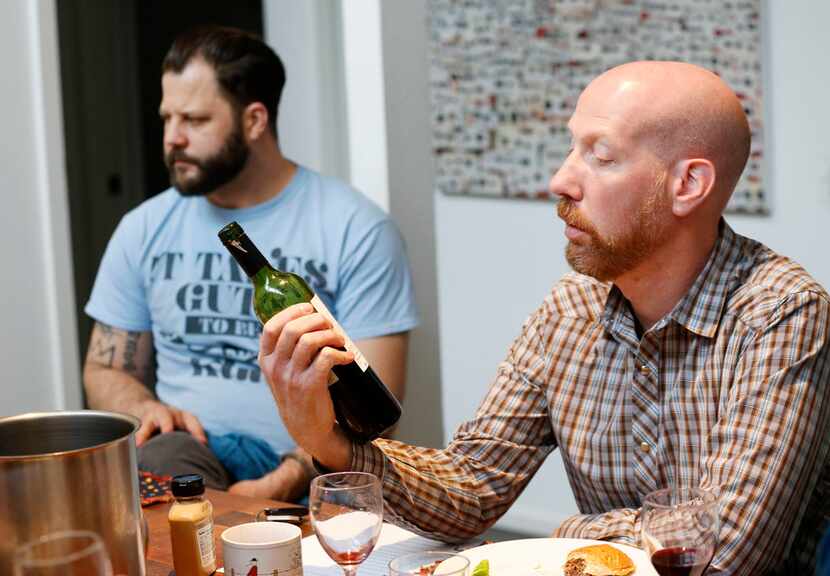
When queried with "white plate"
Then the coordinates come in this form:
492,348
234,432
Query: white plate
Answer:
543,556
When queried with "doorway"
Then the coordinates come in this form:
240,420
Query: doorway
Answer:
110,58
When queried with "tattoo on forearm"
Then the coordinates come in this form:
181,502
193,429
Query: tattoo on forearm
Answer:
103,349
130,349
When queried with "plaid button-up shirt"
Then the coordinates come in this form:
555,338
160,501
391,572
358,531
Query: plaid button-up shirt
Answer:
728,391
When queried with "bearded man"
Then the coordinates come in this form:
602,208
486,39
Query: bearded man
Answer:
173,309
677,354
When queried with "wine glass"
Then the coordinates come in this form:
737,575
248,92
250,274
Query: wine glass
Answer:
680,530
429,564
68,553
346,514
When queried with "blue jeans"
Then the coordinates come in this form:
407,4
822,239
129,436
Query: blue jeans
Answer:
225,460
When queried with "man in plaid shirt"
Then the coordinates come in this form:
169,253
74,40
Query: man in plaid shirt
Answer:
677,354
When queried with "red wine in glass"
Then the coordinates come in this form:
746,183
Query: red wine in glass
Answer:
680,561
350,557
680,529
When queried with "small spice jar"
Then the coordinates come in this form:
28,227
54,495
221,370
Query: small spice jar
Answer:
191,527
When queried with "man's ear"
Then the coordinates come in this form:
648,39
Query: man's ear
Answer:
692,182
254,121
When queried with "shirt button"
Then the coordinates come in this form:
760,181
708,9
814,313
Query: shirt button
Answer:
644,369
645,447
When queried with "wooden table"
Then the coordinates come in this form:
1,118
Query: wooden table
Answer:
228,510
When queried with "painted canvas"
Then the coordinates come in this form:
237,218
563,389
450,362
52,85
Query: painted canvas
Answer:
505,76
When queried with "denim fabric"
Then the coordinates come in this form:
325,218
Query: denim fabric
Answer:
244,457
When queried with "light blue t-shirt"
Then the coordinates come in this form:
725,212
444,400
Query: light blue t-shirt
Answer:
165,270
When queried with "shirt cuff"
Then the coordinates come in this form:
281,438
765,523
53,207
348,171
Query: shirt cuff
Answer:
620,525
369,458
365,458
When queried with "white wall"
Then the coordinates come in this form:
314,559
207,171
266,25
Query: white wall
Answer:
410,173
797,84
312,116
38,347
329,115
366,100
496,261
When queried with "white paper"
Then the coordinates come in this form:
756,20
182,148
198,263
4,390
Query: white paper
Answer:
393,542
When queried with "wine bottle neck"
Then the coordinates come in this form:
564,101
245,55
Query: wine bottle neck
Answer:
246,254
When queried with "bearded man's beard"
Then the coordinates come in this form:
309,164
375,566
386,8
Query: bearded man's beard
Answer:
213,172
607,258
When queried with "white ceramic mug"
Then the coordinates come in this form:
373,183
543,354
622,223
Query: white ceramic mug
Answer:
271,547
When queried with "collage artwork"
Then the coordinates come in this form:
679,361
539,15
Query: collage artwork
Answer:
505,76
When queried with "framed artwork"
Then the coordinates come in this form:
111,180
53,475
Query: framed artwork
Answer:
505,76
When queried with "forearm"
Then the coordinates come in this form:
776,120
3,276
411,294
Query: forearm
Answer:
115,390
118,369
471,493
416,484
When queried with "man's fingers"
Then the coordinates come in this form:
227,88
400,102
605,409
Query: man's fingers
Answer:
148,426
191,423
310,343
293,331
273,328
327,359
166,421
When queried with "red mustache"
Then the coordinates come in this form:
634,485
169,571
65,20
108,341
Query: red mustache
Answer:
178,156
568,212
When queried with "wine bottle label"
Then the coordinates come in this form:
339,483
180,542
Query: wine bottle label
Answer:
359,359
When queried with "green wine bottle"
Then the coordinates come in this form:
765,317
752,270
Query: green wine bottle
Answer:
363,405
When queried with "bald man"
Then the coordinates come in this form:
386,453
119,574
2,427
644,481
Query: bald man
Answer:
677,354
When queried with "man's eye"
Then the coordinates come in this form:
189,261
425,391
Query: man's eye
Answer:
600,159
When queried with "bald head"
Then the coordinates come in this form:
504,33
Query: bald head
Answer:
685,111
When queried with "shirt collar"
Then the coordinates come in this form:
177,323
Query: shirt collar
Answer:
700,310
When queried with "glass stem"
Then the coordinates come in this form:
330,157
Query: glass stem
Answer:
349,570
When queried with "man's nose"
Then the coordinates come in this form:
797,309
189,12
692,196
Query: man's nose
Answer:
565,181
174,137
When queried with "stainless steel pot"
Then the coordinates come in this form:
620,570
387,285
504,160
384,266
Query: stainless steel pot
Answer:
71,470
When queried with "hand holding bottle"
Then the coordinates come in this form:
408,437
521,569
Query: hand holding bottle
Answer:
309,347
298,349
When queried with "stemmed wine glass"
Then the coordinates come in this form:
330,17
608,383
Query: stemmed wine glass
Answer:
347,514
680,530
68,553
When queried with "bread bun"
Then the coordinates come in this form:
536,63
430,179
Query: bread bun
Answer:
598,560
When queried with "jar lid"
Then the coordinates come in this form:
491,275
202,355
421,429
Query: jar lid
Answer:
186,485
